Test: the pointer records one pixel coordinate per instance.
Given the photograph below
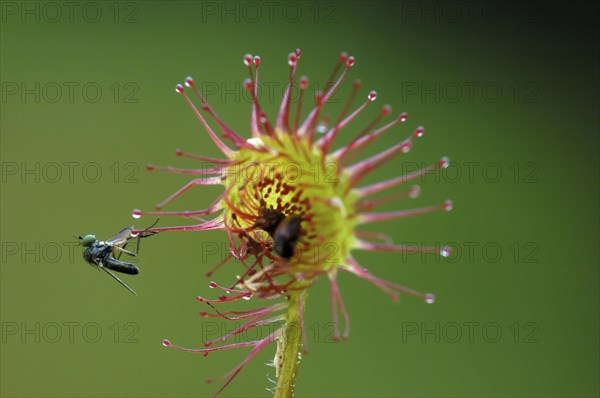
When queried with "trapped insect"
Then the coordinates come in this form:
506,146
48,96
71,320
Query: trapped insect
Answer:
286,235
106,254
285,230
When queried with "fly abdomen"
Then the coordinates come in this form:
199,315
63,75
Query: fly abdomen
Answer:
120,266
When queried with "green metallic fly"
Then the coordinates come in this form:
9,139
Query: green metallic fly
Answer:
105,255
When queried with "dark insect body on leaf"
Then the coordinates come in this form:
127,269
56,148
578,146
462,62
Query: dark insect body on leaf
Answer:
286,235
285,230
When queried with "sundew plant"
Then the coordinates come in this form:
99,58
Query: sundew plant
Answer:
292,207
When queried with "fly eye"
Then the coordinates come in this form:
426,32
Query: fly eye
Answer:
87,240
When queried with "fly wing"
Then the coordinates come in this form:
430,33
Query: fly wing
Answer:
120,240
125,234
121,237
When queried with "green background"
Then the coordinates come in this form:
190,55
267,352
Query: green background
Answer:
531,115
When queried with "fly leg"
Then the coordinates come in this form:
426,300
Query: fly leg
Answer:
118,280
143,234
137,247
123,250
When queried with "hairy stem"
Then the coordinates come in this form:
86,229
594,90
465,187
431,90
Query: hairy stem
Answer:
288,349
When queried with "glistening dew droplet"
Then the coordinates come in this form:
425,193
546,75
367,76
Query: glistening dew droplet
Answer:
429,298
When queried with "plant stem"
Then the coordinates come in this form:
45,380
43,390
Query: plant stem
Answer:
291,346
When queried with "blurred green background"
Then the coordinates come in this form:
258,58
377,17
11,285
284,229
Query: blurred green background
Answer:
507,90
